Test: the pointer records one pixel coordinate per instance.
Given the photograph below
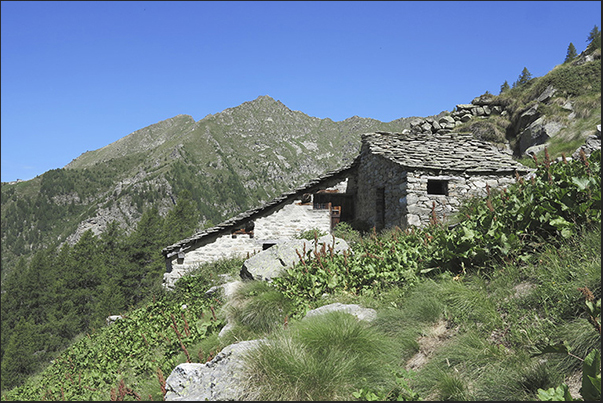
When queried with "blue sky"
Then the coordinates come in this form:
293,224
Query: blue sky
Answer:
77,76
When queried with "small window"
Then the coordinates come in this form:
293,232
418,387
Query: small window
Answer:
267,245
437,187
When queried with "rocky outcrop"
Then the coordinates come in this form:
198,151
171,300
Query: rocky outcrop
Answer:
481,106
591,144
535,136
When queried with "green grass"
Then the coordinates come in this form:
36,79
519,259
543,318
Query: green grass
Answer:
496,319
325,357
469,332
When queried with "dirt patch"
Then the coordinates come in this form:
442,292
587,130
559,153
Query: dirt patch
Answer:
436,336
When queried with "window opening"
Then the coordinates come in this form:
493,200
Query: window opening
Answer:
267,245
437,187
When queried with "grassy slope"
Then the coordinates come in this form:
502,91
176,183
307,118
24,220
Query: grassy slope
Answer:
468,335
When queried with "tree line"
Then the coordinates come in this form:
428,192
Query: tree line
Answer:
64,291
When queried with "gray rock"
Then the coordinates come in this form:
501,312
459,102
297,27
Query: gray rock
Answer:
112,319
546,94
273,261
445,120
591,144
537,133
218,379
426,127
483,100
527,118
359,312
466,117
568,106
535,149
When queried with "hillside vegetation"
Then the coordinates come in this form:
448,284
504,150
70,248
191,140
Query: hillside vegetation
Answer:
518,276
516,272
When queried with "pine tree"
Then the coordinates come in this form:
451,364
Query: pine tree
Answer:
146,263
523,78
19,360
504,87
571,53
594,39
181,221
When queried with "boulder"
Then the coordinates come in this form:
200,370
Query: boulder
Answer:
273,261
446,120
426,127
218,379
359,312
547,94
466,117
464,106
112,319
537,133
486,99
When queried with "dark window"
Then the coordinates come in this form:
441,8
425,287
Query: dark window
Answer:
437,187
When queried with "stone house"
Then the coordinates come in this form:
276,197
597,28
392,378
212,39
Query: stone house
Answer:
396,180
304,208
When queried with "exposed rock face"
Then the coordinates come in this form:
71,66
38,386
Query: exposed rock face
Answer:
537,133
274,260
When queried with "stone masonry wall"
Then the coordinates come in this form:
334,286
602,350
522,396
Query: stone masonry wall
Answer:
461,186
406,200
378,172
285,223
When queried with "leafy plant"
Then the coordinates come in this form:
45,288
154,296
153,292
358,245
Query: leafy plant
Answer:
591,366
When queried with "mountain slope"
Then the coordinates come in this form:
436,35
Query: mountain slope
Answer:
229,162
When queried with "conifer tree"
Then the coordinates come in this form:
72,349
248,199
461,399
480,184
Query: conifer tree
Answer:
523,78
182,219
594,39
19,361
146,261
571,53
504,87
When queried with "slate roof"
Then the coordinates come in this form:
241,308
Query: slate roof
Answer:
449,152
237,221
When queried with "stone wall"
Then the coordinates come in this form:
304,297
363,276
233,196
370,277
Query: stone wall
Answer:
274,226
405,196
419,203
374,173
482,106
